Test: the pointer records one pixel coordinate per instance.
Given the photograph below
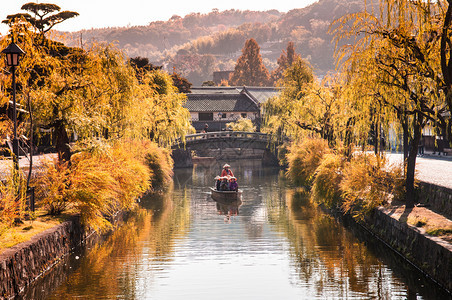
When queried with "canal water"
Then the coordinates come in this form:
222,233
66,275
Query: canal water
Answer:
274,244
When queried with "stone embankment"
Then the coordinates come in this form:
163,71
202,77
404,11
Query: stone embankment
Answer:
431,255
437,197
22,264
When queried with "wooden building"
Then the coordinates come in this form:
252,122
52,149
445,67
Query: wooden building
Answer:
217,106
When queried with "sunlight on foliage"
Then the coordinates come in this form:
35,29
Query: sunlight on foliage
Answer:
328,177
304,158
368,183
241,124
52,187
103,178
12,199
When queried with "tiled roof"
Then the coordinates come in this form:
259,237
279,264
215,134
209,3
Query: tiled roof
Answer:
262,94
222,102
214,90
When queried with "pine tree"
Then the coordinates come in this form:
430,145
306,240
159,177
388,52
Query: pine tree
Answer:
250,70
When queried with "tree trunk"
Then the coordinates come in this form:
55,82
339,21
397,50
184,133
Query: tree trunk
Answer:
411,162
446,63
61,139
405,141
348,138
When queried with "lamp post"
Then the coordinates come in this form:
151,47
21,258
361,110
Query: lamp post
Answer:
13,53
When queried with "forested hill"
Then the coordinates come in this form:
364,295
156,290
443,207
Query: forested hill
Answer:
198,44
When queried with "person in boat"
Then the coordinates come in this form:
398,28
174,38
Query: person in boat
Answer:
217,182
224,186
227,171
233,186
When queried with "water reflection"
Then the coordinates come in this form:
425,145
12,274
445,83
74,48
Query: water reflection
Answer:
229,209
275,243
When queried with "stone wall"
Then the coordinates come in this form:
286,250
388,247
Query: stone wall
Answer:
437,197
22,264
431,255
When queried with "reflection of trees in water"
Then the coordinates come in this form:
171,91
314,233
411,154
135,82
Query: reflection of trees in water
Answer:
266,187
111,267
324,252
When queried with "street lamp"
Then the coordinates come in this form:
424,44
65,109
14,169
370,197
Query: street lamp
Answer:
13,53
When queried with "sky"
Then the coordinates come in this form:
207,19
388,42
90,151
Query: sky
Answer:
118,13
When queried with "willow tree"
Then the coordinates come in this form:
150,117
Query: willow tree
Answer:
304,106
158,110
396,60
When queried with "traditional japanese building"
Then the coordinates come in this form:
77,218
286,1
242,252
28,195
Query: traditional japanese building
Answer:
217,106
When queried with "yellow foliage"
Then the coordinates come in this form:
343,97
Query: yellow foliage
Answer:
368,183
160,163
304,158
12,199
241,125
103,178
52,186
328,177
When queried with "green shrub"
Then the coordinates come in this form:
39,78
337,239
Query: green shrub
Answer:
439,231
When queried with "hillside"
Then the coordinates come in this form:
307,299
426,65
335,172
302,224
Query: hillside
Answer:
198,44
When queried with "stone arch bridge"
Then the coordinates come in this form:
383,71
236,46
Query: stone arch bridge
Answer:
182,152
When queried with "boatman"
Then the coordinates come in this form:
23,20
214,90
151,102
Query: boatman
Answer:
226,171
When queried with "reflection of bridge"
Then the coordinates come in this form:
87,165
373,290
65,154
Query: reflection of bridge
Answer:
221,140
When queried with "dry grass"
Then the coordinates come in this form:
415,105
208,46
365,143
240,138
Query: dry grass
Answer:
304,158
24,232
328,177
434,224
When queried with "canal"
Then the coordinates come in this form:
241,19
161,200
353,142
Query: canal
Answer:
275,244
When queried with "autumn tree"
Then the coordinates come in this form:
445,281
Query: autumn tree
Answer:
282,112
400,62
142,65
284,61
181,83
250,70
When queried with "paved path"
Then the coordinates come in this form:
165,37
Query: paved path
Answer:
7,164
430,168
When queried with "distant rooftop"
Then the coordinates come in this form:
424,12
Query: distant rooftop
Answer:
214,90
221,102
261,94
258,94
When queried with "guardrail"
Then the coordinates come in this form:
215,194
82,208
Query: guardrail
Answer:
225,134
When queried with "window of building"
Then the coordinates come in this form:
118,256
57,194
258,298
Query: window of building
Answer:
243,115
223,115
205,116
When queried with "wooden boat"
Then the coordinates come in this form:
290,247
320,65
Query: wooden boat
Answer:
226,195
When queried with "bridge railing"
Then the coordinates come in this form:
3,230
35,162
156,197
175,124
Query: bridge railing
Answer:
225,134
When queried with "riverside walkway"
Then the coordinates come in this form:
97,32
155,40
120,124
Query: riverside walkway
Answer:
430,168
